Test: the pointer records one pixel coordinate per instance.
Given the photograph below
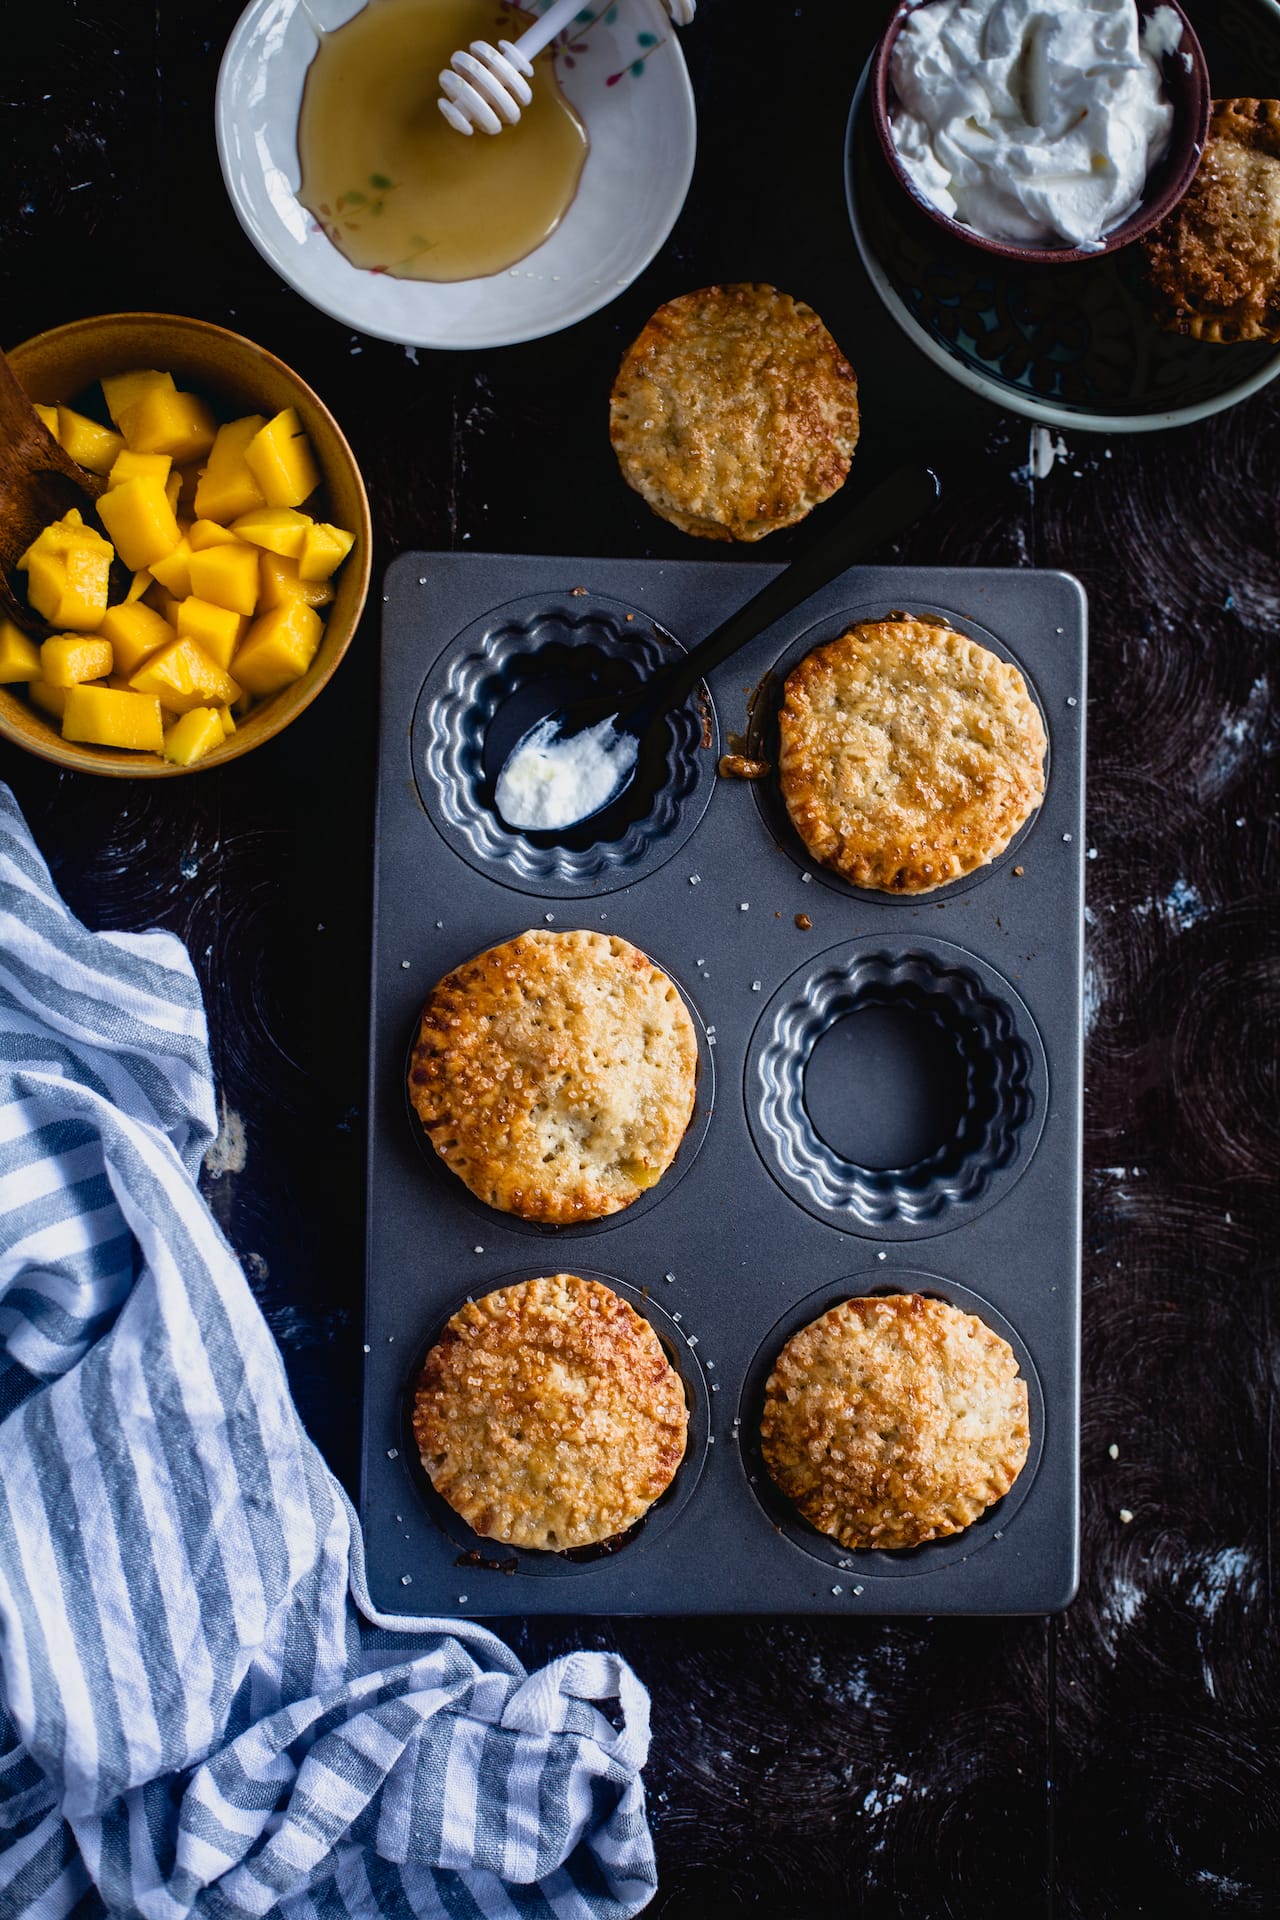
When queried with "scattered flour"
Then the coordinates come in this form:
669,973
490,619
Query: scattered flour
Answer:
1239,737
1182,906
1044,450
1119,1610
230,1150
1095,993
1231,1569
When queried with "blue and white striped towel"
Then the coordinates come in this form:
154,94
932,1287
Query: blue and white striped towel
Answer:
195,1719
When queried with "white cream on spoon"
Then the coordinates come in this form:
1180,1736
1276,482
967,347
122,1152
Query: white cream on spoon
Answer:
551,780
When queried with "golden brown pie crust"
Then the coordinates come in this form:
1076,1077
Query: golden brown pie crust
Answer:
555,1074
734,412
894,1420
548,1415
1214,262
909,754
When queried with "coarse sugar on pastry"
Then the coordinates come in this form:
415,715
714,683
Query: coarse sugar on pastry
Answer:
1214,261
555,1074
734,412
548,1415
909,754
894,1419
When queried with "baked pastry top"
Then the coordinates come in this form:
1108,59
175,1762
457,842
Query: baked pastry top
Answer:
734,412
555,1074
1214,262
894,1420
548,1415
909,754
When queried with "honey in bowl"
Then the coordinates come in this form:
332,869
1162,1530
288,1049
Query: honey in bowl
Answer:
395,187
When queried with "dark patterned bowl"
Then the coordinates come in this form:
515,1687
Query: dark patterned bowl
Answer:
1071,346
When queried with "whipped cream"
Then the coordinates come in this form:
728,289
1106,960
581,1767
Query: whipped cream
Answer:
1031,122
547,782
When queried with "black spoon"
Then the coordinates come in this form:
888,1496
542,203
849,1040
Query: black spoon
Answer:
623,721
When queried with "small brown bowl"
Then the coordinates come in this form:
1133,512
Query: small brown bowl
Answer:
236,377
1189,94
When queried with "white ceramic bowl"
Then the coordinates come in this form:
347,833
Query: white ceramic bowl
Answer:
623,71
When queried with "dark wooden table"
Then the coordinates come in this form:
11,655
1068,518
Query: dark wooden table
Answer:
1119,1759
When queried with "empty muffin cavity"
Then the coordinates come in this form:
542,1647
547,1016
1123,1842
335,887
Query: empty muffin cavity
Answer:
896,1087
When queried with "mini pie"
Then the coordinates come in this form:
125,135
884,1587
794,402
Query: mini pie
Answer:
734,412
555,1074
909,754
548,1415
1214,262
893,1420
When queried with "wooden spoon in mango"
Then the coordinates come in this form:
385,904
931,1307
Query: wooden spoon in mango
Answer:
39,482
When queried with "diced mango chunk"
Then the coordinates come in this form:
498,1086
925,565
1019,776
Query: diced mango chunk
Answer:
140,521
207,533
182,676
280,459
162,420
280,582
191,737
173,570
226,575
50,700
134,631
324,548
217,629
68,566
187,497
109,717
68,658
88,444
279,529
278,648
139,466
165,603
19,654
226,487
120,390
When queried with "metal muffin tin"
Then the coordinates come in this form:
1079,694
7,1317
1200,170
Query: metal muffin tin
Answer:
889,1098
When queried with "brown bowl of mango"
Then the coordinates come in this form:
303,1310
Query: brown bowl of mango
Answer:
212,592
